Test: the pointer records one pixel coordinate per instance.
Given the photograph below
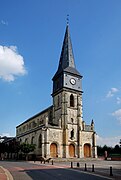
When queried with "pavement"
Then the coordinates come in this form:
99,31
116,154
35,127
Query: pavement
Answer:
26,171
101,167
5,174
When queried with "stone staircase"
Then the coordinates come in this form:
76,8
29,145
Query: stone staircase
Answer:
74,159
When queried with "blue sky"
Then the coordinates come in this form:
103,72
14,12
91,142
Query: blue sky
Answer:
31,36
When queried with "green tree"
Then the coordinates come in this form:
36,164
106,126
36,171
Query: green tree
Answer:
117,149
120,142
27,148
100,151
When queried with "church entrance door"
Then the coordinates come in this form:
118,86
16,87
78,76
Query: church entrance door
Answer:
53,150
71,150
87,150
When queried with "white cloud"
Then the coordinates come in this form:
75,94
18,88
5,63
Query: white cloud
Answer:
114,90
109,141
11,63
4,22
118,100
111,92
5,134
117,115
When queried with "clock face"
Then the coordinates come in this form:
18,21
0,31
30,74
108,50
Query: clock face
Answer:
72,81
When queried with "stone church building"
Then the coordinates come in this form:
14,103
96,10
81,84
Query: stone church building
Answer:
59,130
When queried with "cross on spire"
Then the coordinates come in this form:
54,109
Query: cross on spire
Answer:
67,19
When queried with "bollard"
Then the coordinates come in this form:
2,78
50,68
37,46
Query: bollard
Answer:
78,164
52,162
111,172
85,167
93,170
71,164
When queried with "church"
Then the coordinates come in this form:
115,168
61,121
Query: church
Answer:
60,131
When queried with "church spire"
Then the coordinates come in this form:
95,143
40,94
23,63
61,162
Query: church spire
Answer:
67,57
67,63
67,75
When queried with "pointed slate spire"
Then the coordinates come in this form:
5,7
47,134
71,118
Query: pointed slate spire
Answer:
66,62
67,57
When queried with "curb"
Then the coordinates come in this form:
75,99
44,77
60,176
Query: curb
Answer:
7,173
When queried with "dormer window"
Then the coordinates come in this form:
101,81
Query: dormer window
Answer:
71,100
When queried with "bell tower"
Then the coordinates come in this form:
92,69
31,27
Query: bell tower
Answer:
67,98
67,75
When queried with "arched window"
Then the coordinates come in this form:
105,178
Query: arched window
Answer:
72,121
72,134
26,141
71,100
32,140
40,144
40,141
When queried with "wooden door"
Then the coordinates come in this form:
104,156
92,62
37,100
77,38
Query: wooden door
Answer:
87,150
53,150
71,150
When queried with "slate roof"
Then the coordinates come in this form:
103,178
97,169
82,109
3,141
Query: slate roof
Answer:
67,63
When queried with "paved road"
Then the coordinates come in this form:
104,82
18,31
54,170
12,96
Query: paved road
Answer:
30,171
101,167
